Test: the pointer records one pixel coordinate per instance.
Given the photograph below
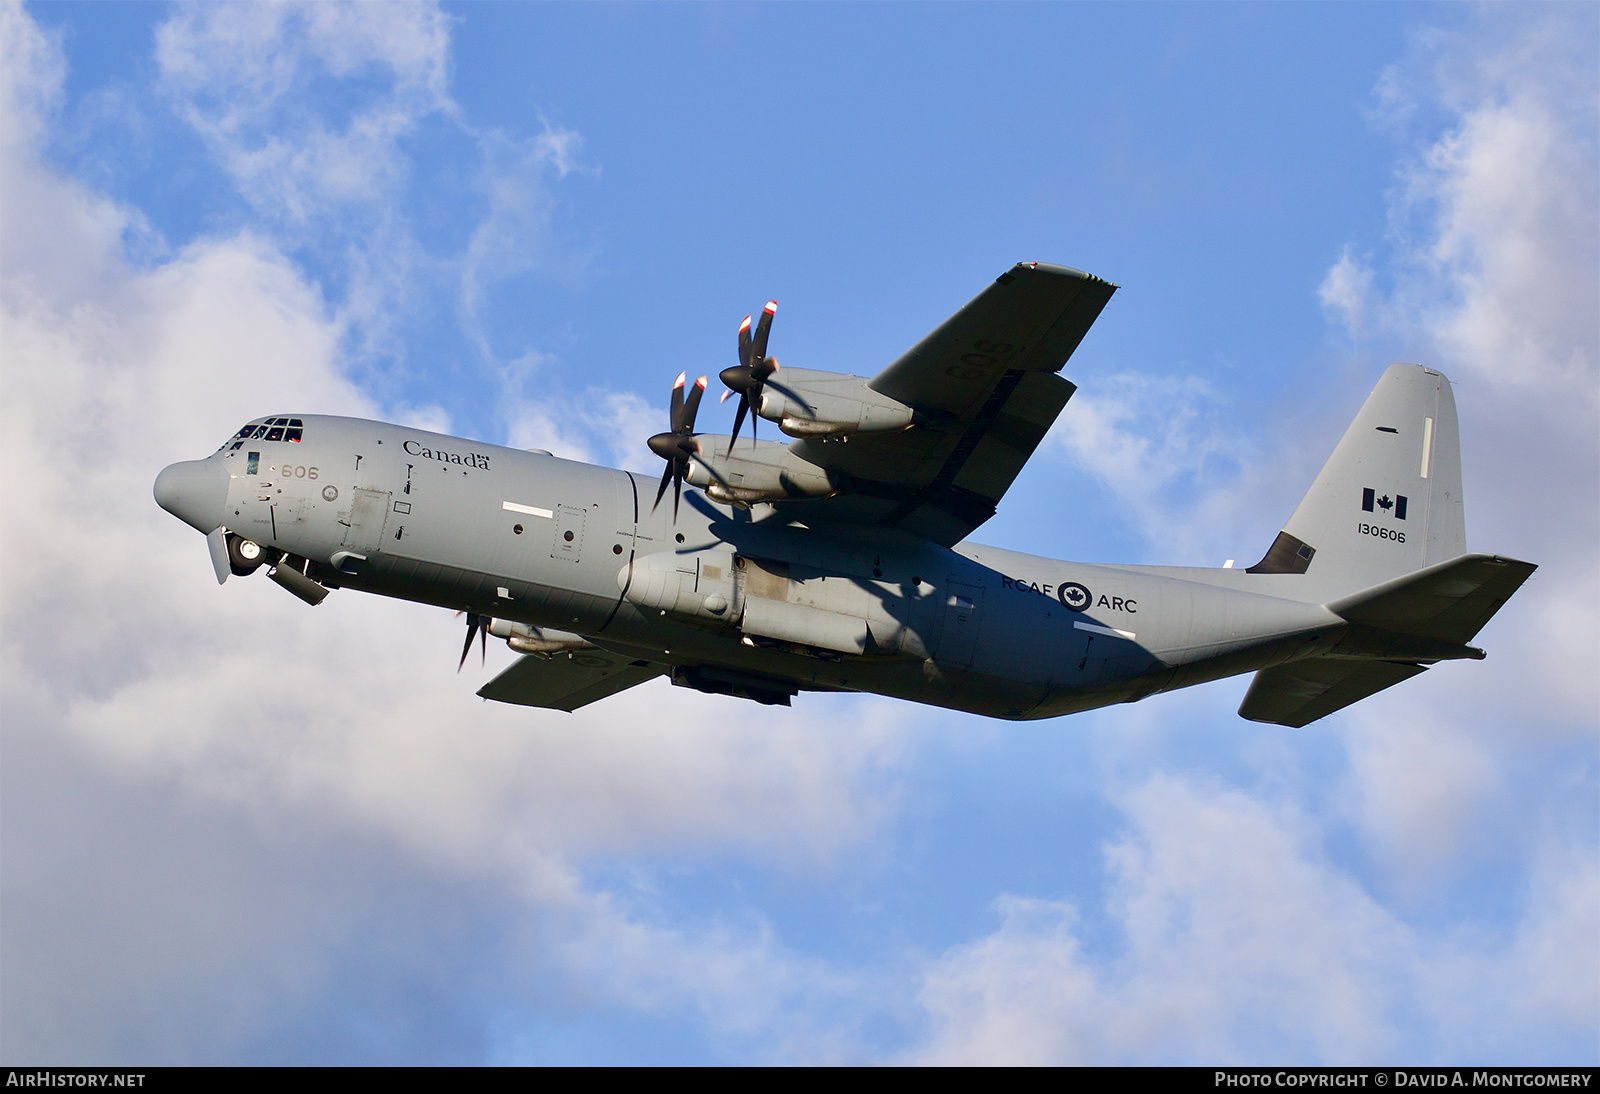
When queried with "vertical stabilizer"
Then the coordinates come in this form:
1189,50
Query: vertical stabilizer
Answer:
1388,501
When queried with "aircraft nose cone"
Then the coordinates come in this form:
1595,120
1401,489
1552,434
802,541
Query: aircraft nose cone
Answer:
195,491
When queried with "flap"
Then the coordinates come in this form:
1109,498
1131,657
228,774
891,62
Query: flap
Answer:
568,681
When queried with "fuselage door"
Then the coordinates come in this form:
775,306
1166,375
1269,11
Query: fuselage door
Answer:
568,544
958,630
368,511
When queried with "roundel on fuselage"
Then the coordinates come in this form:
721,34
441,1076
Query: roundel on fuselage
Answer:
1074,597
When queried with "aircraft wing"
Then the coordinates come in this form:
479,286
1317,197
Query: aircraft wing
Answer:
1300,692
986,390
568,681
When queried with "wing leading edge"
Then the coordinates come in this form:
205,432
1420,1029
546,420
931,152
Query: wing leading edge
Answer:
985,390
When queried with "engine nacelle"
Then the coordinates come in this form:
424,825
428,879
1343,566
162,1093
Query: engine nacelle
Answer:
829,404
526,638
744,473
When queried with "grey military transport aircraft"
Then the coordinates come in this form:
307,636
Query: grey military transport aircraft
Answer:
839,560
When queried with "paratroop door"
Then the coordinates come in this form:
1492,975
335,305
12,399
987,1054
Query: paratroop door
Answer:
958,629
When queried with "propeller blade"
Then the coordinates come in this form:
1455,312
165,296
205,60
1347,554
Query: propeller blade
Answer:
738,420
745,358
662,489
763,329
677,490
675,417
692,407
473,620
726,395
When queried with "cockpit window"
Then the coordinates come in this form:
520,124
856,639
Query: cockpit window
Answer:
271,429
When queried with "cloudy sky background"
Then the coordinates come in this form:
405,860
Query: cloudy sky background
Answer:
234,829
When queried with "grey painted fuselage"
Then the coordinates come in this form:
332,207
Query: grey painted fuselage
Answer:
559,544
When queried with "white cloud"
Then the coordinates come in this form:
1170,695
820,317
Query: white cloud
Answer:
1495,223
238,74
514,236
1346,290
35,70
1239,941
598,426
1419,777
1149,439
336,180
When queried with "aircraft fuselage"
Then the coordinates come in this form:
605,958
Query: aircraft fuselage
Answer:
749,594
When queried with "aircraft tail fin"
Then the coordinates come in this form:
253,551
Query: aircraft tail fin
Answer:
1388,501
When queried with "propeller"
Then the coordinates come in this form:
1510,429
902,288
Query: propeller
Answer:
476,625
754,370
679,446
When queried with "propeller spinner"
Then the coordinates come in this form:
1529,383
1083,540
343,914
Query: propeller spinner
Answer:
679,446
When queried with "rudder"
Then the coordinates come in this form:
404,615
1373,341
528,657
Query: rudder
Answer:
1388,501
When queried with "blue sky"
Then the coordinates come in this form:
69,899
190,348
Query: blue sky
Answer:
234,830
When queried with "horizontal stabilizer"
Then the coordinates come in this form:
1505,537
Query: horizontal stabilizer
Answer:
1450,602
1299,693
568,681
